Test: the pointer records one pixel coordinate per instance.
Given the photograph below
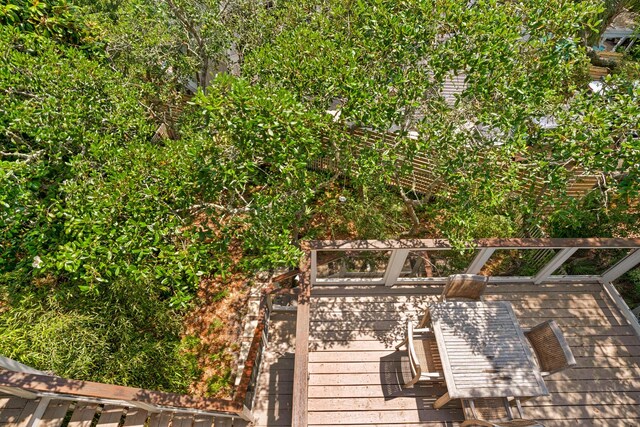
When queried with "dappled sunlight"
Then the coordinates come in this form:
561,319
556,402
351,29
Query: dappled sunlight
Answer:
353,365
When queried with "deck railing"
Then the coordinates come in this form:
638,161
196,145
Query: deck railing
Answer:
421,261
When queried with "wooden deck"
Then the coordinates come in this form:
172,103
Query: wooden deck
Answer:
355,374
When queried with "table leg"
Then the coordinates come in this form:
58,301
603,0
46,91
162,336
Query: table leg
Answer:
442,400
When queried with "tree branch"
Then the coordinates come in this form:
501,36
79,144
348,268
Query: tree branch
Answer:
27,157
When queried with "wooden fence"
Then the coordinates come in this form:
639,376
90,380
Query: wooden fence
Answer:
425,180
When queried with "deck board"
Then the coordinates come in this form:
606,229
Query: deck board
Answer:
275,384
355,372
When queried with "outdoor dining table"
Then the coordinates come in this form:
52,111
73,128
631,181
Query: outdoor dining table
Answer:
484,352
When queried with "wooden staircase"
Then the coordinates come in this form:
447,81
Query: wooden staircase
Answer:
32,398
47,412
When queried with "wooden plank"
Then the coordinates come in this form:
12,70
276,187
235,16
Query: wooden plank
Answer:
83,414
378,403
12,402
54,414
600,398
374,390
202,421
372,341
608,365
577,412
160,419
591,386
182,420
136,417
365,417
10,415
110,416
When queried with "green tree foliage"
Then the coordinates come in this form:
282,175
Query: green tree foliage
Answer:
99,253
57,19
384,62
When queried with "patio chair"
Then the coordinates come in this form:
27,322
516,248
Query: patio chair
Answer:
424,359
550,347
494,412
465,287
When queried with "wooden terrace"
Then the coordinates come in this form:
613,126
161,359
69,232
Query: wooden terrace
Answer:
348,373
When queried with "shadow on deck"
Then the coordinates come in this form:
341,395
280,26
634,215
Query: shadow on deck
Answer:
355,374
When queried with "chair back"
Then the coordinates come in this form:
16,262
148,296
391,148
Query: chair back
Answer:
414,362
487,409
551,348
465,286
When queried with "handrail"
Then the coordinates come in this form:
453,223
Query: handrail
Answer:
399,250
128,395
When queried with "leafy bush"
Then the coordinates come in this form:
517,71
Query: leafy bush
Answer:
100,255
54,19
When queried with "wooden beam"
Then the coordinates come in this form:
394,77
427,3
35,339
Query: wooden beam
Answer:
255,348
394,268
301,362
18,392
622,306
36,417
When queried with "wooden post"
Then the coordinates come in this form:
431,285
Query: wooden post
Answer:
394,269
314,267
622,267
480,260
301,362
147,407
36,417
553,265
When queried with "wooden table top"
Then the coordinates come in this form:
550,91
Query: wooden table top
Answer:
484,351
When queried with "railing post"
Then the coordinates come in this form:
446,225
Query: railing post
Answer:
622,267
314,267
36,417
554,264
247,415
480,260
394,269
